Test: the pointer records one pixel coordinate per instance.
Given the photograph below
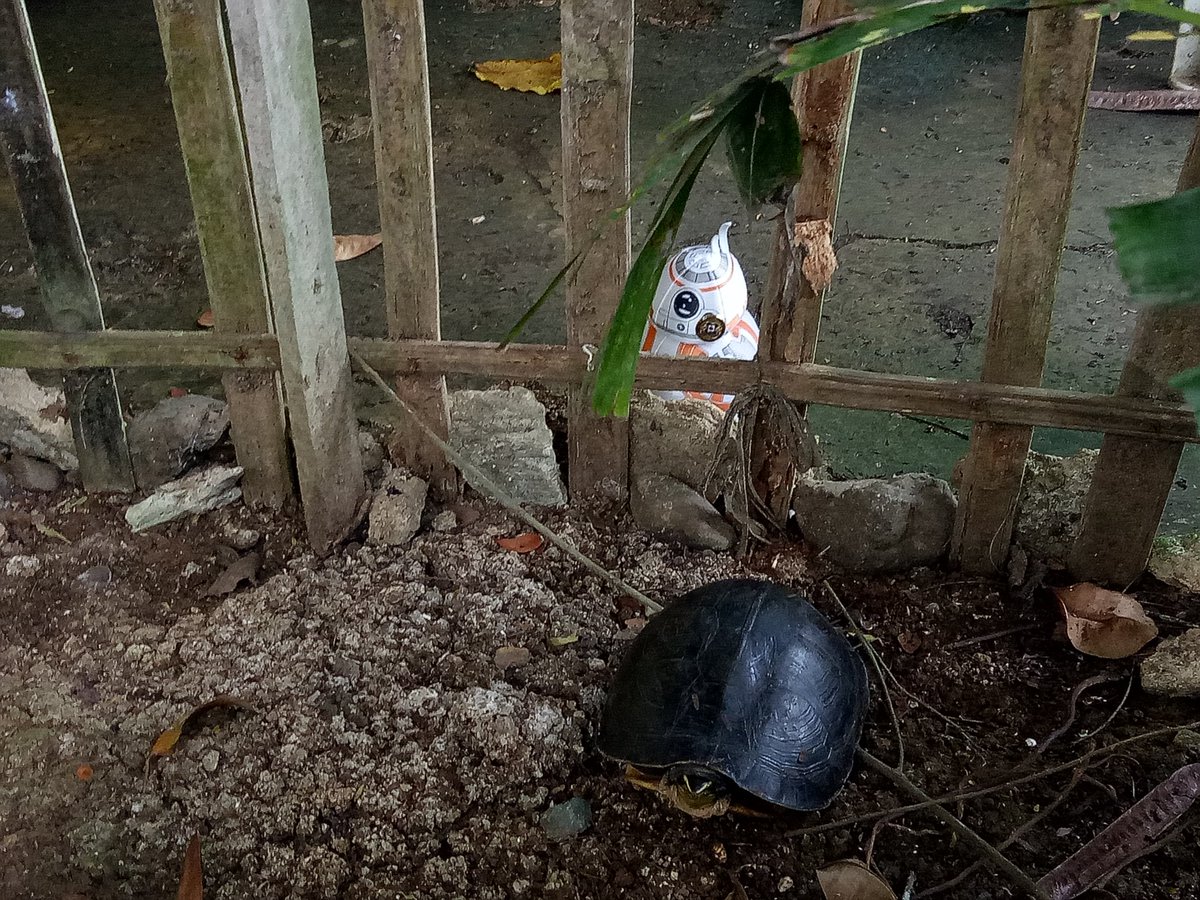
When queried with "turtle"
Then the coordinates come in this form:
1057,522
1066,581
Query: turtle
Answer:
740,696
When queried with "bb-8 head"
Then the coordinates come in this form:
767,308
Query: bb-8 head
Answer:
701,293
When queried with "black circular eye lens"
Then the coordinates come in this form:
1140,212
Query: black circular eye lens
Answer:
687,304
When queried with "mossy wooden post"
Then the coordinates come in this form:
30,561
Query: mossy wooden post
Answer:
823,99
597,51
399,76
1133,477
210,135
272,47
1060,53
34,160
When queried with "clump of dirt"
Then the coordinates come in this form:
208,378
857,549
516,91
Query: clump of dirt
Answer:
387,754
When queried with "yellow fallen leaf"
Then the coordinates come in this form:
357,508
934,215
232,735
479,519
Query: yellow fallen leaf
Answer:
539,76
165,743
348,246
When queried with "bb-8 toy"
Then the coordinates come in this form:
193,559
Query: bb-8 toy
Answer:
700,310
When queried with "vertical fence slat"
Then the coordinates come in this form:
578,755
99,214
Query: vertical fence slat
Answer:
399,76
1056,72
210,136
791,315
272,45
597,50
1133,477
34,160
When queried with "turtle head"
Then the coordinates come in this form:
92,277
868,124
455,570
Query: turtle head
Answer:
697,791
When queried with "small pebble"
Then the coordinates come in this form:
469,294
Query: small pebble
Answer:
512,657
96,576
785,884
210,761
565,820
444,521
241,538
22,566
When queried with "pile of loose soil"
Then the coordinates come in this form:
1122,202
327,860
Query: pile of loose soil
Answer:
387,754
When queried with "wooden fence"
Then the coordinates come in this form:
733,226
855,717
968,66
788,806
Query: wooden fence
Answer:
268,260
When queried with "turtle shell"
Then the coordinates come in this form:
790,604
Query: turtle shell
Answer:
748,679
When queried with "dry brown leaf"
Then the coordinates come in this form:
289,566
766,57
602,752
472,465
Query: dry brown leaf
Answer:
84,772
245,568
539,76
909,642
165,743
1104,623
348,246
206,319
191,882
849,879
522,543
814,239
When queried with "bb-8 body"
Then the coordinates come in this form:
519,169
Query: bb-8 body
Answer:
700,310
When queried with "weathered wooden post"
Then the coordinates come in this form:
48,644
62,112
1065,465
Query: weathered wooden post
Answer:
272,46
34,159
210,135
1133,477
399,75
1056,72
597,51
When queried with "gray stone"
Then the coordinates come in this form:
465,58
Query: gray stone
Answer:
396,509
1188,741
193,494
1051,503
371,451
169,438
1176,561
33,474
877,524
504,434
563,821
673,437
1173,669
665,505
33,419
95,577
21,566
239,537
444,521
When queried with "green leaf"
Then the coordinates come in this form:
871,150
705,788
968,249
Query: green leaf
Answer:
1188,384
622,343
1157,250
763,143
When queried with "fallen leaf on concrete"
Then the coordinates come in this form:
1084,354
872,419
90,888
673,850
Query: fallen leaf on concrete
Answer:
165,743
349,246
244,568
191,881
521,543
1104,623
538,76
206,319
849,879
1137,831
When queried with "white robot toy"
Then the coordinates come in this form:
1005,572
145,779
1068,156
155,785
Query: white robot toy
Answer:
700,310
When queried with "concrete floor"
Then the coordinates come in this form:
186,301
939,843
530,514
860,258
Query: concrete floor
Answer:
919,216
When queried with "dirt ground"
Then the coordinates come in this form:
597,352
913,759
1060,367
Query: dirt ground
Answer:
387,755
918,220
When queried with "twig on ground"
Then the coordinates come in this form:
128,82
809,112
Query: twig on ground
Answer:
1120,705
1102,678
991,636
490,487
968,835
877,663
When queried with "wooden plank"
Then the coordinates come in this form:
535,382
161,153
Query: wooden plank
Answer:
1060,53
399,77
1133,477
804,383
272,46
597,50
791,314
34,159
210,136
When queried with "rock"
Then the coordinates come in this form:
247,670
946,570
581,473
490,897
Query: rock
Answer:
565,820
240,538
1051,503
167,439
1173,669
1176,561
33,419
33,474
211,760
504,434
673,437
666,505
1188,740
396,510
193,494
877,524
95,577
371,451
21,566
444,521
512,657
